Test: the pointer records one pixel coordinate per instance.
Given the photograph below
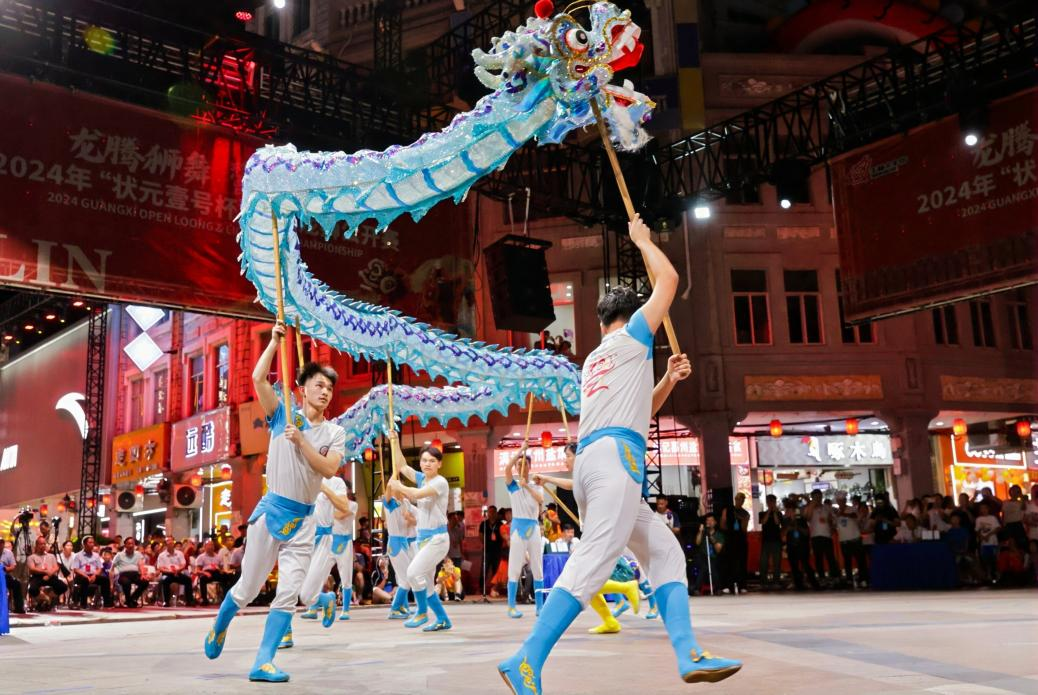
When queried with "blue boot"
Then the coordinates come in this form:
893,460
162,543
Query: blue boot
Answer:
522,672
398,609
310,613
263,669
326,607
442,621
538,594
694,664
215,639
646,589
421,617
347,597
513,588
286,640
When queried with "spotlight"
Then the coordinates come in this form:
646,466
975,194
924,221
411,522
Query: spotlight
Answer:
791,178
973,121
29,326
971,139
279,4
701,212
78,303
785,203
50,316
243,15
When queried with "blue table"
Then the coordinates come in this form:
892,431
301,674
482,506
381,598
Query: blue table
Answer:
926,565
5,625
553,564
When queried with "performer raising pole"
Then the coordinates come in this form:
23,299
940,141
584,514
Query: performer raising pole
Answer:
525,539
617,401
304,449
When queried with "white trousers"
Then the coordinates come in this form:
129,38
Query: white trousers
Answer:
614,515
262,550
421,573
519,549
401,562
321,566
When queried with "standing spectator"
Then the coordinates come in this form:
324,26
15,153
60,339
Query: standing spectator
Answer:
14,587
456,533
820,520
87,567
771,543
171,565
128,567
798,546
669,518
735,522
1031,515
43,572
849,533
987,537
709,551
885,518
1013,511
490,530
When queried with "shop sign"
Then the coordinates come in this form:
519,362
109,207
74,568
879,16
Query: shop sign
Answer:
221,510
453,469
825,450
253,429
140,453
201,440
965,455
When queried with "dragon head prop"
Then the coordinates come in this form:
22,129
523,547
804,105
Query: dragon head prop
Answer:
562,60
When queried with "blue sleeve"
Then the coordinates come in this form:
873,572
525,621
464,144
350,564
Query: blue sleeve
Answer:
512,486
276,422
419,478
638,329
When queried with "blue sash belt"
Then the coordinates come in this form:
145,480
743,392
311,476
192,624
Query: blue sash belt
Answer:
630,447
340,541
525,527
425,534
398,544
322,531
284,516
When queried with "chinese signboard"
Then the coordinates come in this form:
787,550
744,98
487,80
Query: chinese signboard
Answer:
106,199
826,450
139,454
221,510
970,469
201,440
944,220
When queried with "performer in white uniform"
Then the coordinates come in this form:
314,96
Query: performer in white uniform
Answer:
401,529
301,454
333,518
617,401
433,543
525,538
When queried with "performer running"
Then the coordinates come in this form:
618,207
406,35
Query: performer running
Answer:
400,526
617,401
333,517
525,536
300,455
431,498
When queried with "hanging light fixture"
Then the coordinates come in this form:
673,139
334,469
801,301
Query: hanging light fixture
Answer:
138,489
90,502
546,439
226,472
44,509
437,444
851,425
1023,429
196,480
775,428
369,455
959,427
106,499
61,507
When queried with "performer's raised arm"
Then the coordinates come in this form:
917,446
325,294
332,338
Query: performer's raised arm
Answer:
678,369
656,308
264,391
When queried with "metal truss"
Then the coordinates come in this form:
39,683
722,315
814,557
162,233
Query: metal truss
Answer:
388,27
93,455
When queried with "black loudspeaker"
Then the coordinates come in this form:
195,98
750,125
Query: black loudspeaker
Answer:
520,293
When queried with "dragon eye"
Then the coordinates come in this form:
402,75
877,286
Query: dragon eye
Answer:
576,39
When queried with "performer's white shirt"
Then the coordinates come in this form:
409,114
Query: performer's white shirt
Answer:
432,511
524,506
616,382
288,473
396,524
324,510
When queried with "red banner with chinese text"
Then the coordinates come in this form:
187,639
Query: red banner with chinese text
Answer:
924,218
105,199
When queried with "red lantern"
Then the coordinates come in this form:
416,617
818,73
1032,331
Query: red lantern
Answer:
43,510
546,440
106,499
90,503
959,427
61,507
1023,429
775,428
852,426
196,480
225,473
369,455
138,489
437,444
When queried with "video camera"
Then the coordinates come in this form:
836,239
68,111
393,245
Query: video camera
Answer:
25,515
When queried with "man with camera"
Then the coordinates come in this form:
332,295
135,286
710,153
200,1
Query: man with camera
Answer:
14,587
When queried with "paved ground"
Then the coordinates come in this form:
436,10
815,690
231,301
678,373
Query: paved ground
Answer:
959,643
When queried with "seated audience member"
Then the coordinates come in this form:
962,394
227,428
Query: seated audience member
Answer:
128,566
14,587
448,581
208,570
172,565
44,574
87,571
565,543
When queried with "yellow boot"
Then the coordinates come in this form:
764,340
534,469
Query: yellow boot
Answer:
628,589
609,624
